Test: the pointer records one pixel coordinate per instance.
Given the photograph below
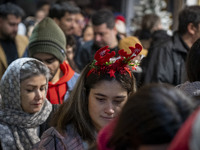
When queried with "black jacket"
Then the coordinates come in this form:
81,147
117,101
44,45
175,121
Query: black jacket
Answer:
86,53
166,62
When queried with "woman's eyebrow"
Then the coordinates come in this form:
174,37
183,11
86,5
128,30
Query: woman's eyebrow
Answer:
35,85
99,94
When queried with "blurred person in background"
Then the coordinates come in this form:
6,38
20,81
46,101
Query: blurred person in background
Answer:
192,86
44,5
64,14
165,62
88,33
70,52
151,31
80,24
105,33
120,25
12,46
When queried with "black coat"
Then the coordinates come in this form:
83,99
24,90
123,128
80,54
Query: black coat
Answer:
165,62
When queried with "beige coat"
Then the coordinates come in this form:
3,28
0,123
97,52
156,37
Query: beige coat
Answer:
21,44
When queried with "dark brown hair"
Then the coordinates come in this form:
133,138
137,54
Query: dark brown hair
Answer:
74,111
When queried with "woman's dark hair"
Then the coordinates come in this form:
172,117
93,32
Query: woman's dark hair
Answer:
149,21
74,111
71,41
193,62
151,116
124,79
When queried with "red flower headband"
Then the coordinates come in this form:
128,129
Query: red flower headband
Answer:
105,62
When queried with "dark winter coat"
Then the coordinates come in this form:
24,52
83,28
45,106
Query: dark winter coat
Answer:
166,62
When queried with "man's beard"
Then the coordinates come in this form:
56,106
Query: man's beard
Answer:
9,36
52,74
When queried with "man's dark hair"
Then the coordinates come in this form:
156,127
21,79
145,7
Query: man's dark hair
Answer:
11,9
104,16
58,10
190,14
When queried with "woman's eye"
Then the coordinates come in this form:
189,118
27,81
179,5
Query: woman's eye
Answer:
50,61
29,90
42,88
118,102
100,99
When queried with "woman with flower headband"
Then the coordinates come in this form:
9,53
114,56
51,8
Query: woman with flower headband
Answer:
98,97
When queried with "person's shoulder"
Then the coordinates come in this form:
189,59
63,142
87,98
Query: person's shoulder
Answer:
4,126
5,131
6,137
163,45
50,133
52,139
49,139
22,38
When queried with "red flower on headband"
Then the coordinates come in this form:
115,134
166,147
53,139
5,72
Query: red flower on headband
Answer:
102,55
134,52
105,62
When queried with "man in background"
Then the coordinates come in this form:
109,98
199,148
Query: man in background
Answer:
48,44
105,33
64,14
165,62
12,46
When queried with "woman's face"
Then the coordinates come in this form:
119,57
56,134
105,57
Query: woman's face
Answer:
33,93
88,34
106,100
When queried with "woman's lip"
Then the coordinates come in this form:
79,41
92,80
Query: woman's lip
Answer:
37,104
108,118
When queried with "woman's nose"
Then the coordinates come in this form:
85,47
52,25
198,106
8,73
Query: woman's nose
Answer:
38,94
109,109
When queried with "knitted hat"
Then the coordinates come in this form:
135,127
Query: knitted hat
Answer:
47,37
126,42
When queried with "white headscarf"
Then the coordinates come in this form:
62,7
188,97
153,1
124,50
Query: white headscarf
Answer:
18,128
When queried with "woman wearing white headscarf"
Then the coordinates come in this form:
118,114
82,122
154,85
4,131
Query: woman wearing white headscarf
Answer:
24,105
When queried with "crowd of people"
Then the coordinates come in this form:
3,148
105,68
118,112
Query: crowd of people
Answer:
69,80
